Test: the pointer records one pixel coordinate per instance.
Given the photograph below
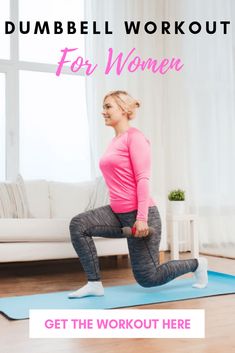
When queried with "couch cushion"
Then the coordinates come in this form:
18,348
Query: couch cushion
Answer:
38,198
31,251
69,199
34,230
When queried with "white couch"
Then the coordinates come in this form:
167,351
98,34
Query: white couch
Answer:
44,233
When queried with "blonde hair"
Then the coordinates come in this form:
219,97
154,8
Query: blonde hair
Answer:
125,102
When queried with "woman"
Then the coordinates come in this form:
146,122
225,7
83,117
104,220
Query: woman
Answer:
126,169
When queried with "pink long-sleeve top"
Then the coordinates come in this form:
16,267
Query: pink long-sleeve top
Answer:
126,167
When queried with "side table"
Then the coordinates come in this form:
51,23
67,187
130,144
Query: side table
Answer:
174,220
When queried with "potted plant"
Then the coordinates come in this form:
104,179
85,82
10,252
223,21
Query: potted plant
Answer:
177,201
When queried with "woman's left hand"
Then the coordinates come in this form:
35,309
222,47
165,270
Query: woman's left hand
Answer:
142,229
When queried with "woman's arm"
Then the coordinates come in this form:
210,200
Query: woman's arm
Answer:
140,155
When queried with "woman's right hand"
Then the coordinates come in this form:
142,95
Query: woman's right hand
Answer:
142,229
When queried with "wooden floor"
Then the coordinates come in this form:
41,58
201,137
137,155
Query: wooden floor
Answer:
18,279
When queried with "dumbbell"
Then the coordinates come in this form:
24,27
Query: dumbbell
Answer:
130,231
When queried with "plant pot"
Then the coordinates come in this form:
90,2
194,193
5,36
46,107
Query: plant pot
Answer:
177,207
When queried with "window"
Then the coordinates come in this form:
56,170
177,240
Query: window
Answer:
53,127
47,117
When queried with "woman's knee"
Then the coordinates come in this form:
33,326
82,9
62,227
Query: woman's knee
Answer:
74,225
144,282
149,281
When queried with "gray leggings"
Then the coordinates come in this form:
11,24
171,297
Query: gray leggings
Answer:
144,251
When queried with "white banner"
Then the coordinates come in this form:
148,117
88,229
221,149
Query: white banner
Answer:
136,323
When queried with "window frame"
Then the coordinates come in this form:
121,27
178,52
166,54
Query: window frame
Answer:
11,68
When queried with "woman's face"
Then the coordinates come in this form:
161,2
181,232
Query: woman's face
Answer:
112,113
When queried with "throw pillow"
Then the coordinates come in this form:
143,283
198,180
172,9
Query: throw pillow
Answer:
13,199
24,199
6,207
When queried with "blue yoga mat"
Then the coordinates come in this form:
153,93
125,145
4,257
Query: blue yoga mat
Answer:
119,296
